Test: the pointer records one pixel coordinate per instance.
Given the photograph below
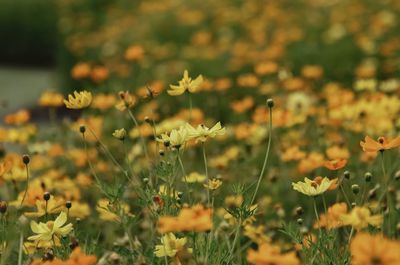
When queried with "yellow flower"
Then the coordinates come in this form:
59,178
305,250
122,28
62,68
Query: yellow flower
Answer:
213,184
177,138
313,188
79,100
360,217
186,84
170,246
194,177
52,230
202,132
119,134
109,211
53,206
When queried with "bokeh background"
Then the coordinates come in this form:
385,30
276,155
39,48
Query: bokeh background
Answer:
113,45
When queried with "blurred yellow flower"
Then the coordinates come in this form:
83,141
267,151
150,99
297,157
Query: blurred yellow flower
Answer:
54,205
50,231
213,184
186,84
79,100
360,217
313,188
119,134
111,212
194,177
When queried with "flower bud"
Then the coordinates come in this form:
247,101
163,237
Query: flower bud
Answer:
368,177
346,174
300,221
353,204
68,204
299,210
26,159
82,129
161,152
397,175
147,119
270,103
46,196
3,207
355,188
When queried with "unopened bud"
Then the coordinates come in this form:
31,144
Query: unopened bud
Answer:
368,177
82,129
26,159
270,103
46,196
355,188
346,174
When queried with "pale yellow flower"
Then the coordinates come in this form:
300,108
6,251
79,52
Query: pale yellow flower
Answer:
119,134
360,217
170,246
213,184
194,177
176,139
202,133
52,230
186,84
313,188
111,212
78,100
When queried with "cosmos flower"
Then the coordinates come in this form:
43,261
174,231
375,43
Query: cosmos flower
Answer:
371,146
186,84
176,139
79,100
213,184
202,133
119,134
361,217
313,187
52,230
335,164
269,254
197,218
170,246
369,249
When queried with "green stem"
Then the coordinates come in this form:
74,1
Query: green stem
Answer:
265,158
206,170
184,177
316,215
140,134
27,184
235,239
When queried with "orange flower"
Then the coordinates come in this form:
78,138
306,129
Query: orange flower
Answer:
369,249
76,258
268,254
332,219
99,74
335,164
80,71
198,219
18,118
333,186
369,145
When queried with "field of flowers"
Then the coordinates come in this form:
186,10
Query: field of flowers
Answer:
210,132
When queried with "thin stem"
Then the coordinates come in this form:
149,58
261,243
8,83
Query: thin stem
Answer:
21,242
206,170
184,177
351,234
235,239
27,184
316,215
140,134
265,158
108,152
190,107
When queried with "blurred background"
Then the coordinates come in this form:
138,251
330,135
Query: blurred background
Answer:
105,45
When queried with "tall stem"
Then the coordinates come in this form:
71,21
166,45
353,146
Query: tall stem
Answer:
184,177
140,134
265,158
27,184
206,170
